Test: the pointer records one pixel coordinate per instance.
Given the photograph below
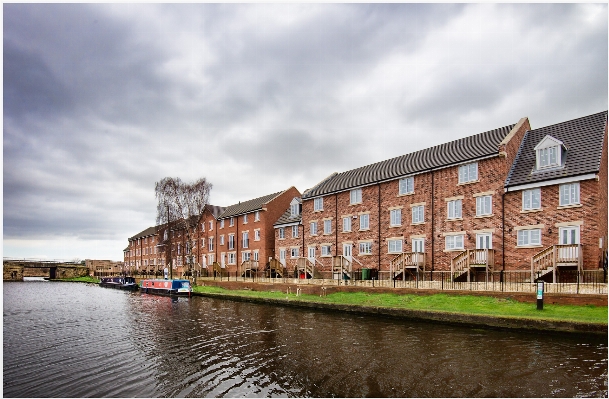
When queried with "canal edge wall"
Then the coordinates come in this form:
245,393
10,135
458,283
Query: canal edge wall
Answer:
313,289
497,322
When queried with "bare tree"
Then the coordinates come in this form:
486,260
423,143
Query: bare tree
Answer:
180,206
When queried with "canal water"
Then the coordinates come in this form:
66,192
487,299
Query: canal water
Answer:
80,340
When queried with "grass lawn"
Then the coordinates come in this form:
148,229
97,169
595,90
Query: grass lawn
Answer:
86,279
464,304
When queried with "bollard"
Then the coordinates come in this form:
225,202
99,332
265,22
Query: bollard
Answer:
540,295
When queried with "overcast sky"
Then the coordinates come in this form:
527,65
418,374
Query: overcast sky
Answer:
101,101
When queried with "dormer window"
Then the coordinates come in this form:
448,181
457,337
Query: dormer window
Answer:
294,208
549,153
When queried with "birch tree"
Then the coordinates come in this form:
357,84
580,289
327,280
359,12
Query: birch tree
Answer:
180,206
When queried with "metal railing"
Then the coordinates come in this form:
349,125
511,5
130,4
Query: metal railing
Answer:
571,281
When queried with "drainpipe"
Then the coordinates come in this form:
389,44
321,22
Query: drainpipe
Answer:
503,231
336,223
433,230
379,225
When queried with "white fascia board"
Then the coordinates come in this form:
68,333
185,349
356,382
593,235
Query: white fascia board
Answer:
287,225
564,180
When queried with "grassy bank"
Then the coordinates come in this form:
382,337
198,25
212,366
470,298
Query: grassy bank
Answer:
469,305
86,279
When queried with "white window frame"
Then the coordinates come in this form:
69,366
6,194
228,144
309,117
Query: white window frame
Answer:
395,217
203,226
210,244
528,237
245,239
211,225
313,228
347,223
282,253
395,246
364,221
231,241
355,196
245,218
294,252
468,173
294,211
327,226
246,255
569,194
454,242
418,214
365,248
256,235
548,157
531,199
281,232
222,239
326,250
256,256
318,204
484,205
211,258
295,231
418,243
221,223
257,216
231,222
406,186
231,259
455,209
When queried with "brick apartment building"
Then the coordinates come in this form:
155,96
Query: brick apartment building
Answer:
512,198
289,236
246,239
442,208
145,254
556,198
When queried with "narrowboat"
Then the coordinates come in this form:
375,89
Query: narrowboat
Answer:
165,287
119,282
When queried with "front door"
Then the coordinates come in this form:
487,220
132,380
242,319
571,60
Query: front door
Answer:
347,252
568,235
418,247
311,255
483,241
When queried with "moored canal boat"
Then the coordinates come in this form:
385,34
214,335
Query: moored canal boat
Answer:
166,287
119,282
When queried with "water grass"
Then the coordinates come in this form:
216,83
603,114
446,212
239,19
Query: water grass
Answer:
459,304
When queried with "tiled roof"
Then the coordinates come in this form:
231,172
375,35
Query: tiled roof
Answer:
145,233
457,151
287,218
215,211
247,206
583,138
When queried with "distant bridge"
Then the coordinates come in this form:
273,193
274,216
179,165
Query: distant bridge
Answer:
16,269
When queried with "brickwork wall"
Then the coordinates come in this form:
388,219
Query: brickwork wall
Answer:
603,203
273,212
288,243
309,215
547,217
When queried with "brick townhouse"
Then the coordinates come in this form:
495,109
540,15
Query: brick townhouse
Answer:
289,236
556,200
145,254
415,212
246,237
471,206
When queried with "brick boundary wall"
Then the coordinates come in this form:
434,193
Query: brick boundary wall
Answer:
529,297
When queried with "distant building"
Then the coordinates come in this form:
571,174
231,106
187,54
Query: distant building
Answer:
103,268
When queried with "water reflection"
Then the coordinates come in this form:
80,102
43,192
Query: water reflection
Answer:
145,345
